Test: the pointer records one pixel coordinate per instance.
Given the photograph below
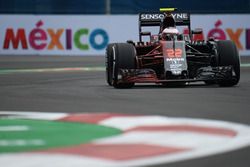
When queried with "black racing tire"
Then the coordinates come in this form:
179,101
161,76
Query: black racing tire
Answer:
228,55
124,58
109,63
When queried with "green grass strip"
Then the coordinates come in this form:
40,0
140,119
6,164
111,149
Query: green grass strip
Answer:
51,133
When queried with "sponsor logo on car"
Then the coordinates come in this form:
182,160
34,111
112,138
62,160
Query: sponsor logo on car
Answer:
160,16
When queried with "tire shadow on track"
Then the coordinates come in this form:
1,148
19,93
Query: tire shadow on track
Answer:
191,86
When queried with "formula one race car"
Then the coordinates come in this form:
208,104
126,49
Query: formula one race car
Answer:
171,57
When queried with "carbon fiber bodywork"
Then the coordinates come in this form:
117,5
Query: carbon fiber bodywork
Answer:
149,75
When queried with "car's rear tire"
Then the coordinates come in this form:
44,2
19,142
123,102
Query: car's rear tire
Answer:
124,58
109,63
228,55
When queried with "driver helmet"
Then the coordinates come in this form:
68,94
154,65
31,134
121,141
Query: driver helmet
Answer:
169,32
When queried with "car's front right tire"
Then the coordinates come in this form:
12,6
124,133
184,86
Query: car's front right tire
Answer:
123,58
109,64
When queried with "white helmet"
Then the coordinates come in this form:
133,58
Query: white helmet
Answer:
170,30
169,33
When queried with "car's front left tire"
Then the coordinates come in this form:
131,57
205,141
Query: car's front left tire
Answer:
228,55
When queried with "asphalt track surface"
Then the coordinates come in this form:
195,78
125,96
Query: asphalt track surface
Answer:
87,91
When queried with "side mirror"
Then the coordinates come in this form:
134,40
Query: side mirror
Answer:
146,33
130,42
197,31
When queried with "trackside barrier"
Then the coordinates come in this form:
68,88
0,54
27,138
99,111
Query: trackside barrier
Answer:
82,35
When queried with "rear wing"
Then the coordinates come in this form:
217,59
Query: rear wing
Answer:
155,19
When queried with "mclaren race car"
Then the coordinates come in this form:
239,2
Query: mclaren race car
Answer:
170,56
